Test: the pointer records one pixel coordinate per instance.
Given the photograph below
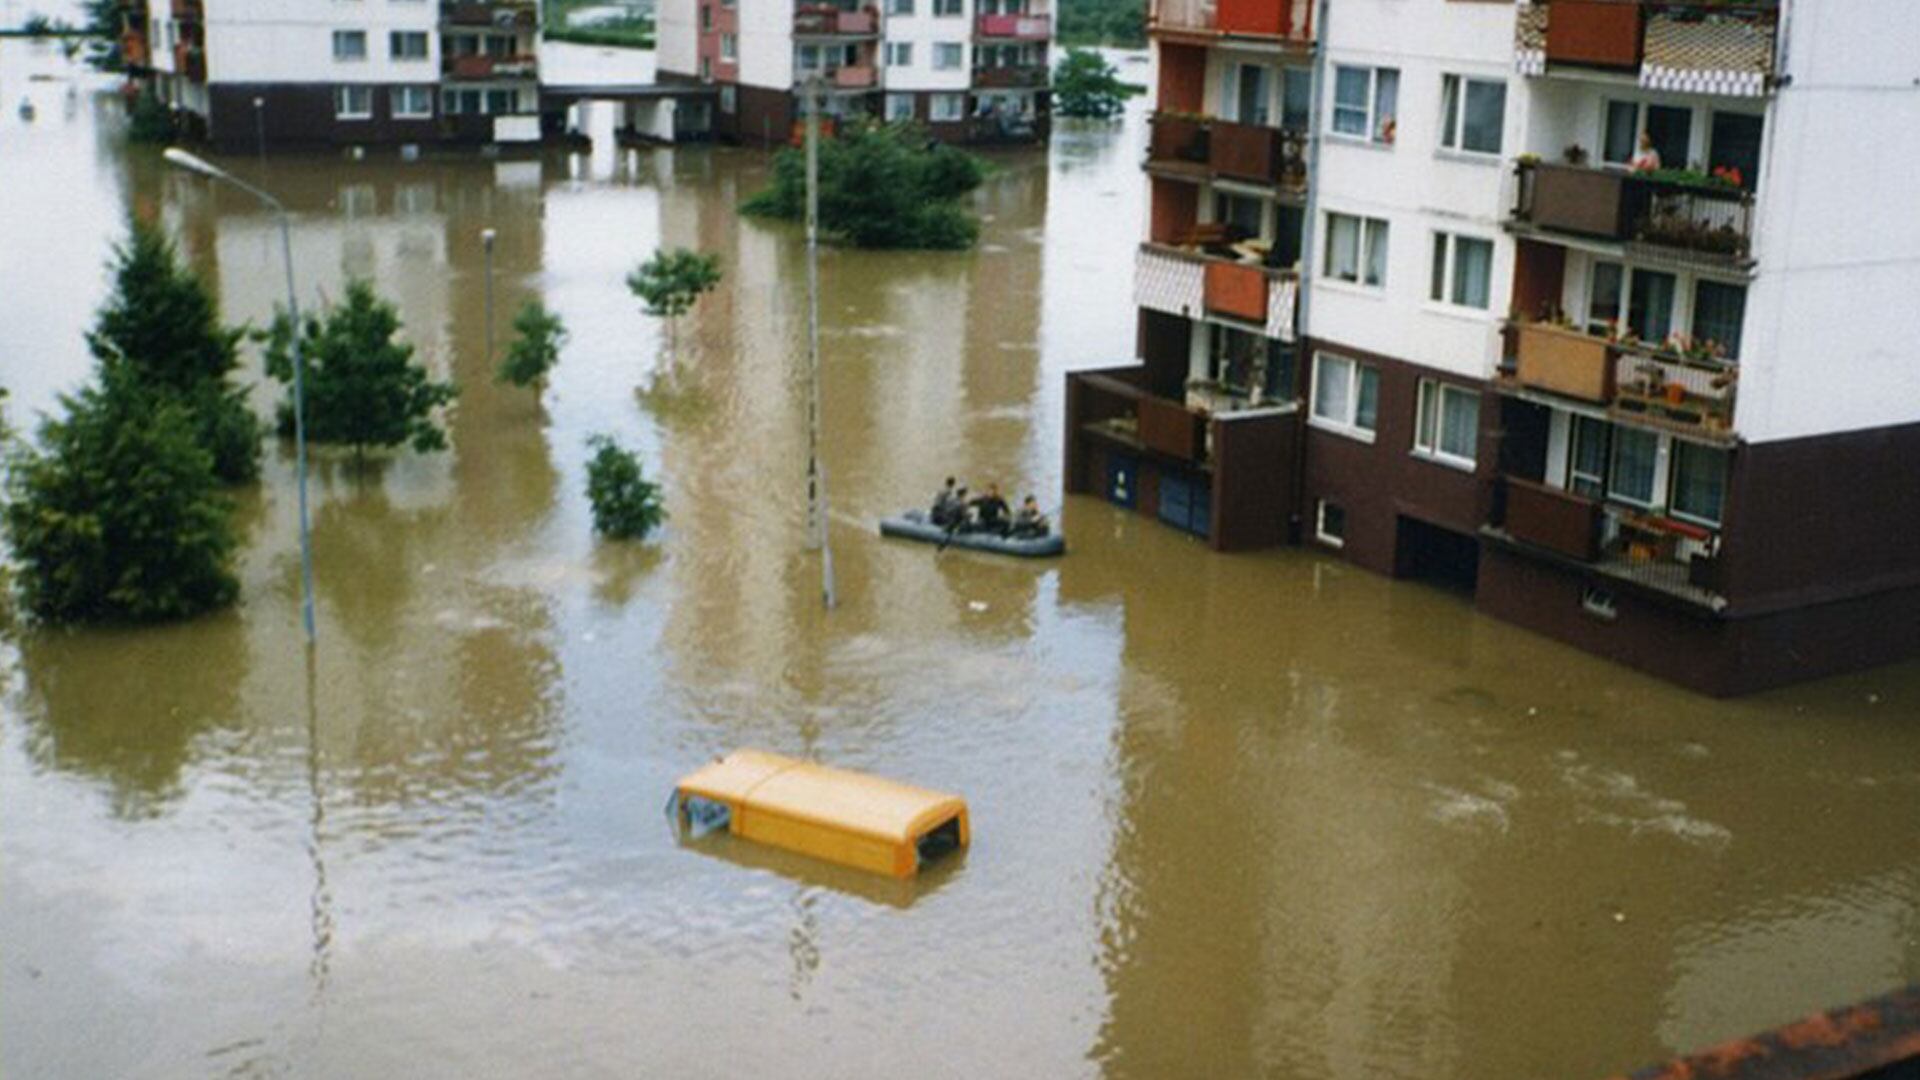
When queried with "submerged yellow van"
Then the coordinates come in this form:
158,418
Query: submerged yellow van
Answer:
845,817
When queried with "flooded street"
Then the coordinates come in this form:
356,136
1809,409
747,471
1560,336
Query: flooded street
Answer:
1233,815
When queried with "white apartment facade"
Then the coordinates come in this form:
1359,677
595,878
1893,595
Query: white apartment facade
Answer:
349,72
969,70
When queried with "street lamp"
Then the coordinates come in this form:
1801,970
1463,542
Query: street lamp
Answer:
486,244
182,159
260,128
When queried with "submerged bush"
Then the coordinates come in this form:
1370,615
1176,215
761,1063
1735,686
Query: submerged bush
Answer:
881,186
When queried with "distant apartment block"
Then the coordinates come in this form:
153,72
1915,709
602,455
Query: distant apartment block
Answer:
969,70
1600,309
358,72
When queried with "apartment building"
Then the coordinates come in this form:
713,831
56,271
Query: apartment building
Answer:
364,72
969,70
1598,307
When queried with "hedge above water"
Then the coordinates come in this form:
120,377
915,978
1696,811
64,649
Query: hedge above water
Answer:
881,186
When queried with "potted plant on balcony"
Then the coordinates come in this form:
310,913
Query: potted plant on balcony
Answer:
1575,154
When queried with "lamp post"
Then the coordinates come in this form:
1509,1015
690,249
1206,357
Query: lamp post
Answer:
486,244
260,129
182,159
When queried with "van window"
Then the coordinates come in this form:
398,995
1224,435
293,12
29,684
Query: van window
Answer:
939,840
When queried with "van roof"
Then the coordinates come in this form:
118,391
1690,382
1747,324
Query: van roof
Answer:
856,802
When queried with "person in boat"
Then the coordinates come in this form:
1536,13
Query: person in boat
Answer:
990,512
1028,522
947,505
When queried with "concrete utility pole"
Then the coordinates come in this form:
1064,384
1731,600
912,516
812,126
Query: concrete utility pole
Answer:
816,468
486,245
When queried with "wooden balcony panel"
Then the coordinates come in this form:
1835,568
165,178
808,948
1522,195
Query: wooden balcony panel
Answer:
1564,361
1550,518
1169,427
1572,199
855,78
1178,138
1266,18
1237,291
1263,155
1015,27
1595,33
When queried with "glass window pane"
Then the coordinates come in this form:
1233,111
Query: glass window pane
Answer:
1633,464
1603,297
1386,104
1587,469
1449,110
1623,122
1718,311
1671,129
1350,100
1366,410
1343,247
1736,145
1650,315
1437,285
1699,481
1376,252
1486,114
1472,271
1425,417
1332,388
1298,93
1459,422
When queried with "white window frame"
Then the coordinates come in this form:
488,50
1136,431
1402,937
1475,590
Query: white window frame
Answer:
899,7
341,108
1367,231
1380,130
729,48
1445,276
1355,373
899,54
1430,417
1674,456
341,38
399,96
394,37
944,49
1320,533
1454,91
946,8
894,113
939,115
729,99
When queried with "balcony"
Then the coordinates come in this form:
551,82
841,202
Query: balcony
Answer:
834,22
1615,543
1285,20
1706,223
502,16
491,67
1191,282
1659,387
1702,47
188,10
1011,77
856,78
1014,27
1199,145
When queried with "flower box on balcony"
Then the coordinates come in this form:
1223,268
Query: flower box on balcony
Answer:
1550,518
1594,33
1561,360
1237,291
1573,199
1169,427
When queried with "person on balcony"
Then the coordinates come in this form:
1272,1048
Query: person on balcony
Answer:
1646,159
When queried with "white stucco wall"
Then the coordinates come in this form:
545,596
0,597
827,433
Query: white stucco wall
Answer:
291,41
1414,184
676,36
924,29
766,43
1834,313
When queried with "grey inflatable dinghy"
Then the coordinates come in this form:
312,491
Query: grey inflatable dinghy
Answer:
913,525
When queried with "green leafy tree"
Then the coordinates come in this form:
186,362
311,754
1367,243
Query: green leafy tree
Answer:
1103,22
881,186
538,335
118,514
671,282
626,505
103,31
162,324
363,387
149,120
1085,85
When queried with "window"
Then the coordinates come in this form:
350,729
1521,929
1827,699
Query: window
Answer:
1603,298
946,7
1669,127
945,108
1650,306
899,7
1346,396
411,102
1473,112
1735,144
1462,271
407,44
1246,86
349,44
1599,603
1622,131
1296,97
1330,523
1699,482
706,17
1356,250
899,108
1447,427
353,102
706,69
807,58
729,99
1635,455
1587,459
729,48
460,102
946,55
1719,310
1239,359
1365,102
899,54
498,45
502,102
1242,214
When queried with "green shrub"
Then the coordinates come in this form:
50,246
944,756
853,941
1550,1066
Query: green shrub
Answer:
626,505
538,335
881,186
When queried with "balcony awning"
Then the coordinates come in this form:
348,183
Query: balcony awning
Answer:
1723,55
1530,39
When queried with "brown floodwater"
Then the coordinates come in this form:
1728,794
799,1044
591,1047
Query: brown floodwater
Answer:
1259,814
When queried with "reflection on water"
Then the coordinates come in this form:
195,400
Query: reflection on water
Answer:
1234,815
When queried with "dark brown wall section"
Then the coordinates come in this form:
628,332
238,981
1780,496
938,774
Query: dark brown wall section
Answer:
1378,483
303,115
764,117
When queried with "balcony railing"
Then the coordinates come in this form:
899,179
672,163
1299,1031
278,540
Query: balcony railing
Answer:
833,22
1010,77
491,67
1121,410
1710,222
1693,395
1291,20
1015,27
855,77
1178,138
517,16
1250,152
1702,47
1614,541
